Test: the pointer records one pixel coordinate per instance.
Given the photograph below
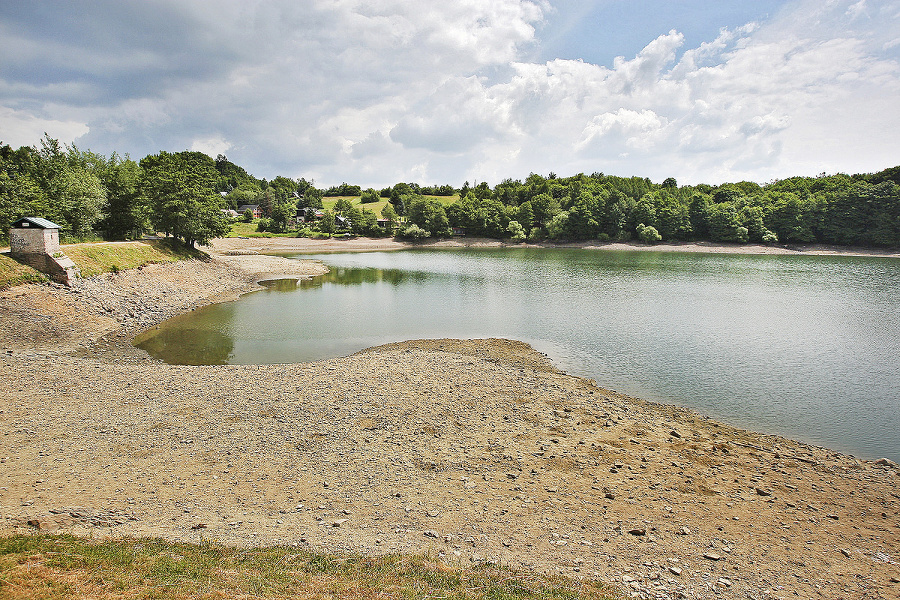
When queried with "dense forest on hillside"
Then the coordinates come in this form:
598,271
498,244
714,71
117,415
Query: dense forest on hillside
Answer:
185,194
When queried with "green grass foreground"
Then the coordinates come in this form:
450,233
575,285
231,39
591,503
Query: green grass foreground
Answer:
111,257
63,566
14,273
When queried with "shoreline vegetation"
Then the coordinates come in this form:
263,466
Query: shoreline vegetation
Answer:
472,451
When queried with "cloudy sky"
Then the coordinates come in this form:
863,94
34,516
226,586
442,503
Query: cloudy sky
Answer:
380,91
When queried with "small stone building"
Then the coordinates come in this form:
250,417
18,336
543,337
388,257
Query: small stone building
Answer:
35,242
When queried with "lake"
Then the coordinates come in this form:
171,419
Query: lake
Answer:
802,346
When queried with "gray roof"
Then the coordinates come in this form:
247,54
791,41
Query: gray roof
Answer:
37,222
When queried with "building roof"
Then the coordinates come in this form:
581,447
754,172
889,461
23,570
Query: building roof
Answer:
35,222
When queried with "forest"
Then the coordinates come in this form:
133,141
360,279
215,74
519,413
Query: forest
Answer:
188,195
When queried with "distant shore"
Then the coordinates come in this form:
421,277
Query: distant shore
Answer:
363,244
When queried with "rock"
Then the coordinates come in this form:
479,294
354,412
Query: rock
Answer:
431,533
762,492
724,582
199,526
338,522
674,570
884,462
608,494
683,531
637,531
711,556
845,552
675,434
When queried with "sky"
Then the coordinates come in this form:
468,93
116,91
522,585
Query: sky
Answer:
381,91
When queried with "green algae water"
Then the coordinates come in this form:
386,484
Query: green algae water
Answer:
802,346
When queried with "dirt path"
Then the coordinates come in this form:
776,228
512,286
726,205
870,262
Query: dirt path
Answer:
478,450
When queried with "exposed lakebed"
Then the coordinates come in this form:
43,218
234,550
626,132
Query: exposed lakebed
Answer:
804,346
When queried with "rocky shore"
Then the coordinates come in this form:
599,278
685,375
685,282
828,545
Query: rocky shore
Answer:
477,450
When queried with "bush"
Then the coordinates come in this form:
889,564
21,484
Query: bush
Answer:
413,232
769,237
248,216
648,234
264,225
516,231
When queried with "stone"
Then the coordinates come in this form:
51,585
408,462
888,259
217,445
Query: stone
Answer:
608,494
683,531
724,582
884,462
338,522
199,526
711,556
430,533
762,492
845,552
674,433
637,531
675,571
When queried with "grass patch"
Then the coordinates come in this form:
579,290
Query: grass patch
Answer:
63,566
14,273
112,257
241,229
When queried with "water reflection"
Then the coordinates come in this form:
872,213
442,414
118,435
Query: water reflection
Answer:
188,346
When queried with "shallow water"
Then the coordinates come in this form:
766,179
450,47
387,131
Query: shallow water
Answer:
803,346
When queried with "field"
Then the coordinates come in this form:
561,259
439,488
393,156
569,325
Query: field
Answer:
105,257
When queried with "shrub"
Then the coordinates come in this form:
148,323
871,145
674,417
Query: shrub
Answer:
248,216
769,237
413,232
264,225
648,234
516,231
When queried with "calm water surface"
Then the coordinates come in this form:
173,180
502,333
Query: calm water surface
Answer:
803,346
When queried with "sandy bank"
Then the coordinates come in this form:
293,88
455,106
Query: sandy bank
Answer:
381,244
477,450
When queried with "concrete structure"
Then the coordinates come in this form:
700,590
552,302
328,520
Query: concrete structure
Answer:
35,242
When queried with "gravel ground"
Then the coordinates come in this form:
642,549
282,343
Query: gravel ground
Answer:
478,450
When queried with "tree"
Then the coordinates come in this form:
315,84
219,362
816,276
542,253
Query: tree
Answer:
389,213
126,213
429,214
180,188
283,210
369,195
327,223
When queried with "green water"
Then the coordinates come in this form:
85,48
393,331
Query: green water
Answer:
802,346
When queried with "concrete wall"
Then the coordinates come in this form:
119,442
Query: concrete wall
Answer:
33,240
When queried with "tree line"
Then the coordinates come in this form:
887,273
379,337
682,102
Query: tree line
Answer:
183,194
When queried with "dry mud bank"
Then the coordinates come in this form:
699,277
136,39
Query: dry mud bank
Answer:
286,244
477,450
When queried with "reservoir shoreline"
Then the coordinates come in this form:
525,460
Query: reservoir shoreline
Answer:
473,449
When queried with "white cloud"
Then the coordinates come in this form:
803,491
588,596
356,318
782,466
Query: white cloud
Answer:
22,128
211,146
381,91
